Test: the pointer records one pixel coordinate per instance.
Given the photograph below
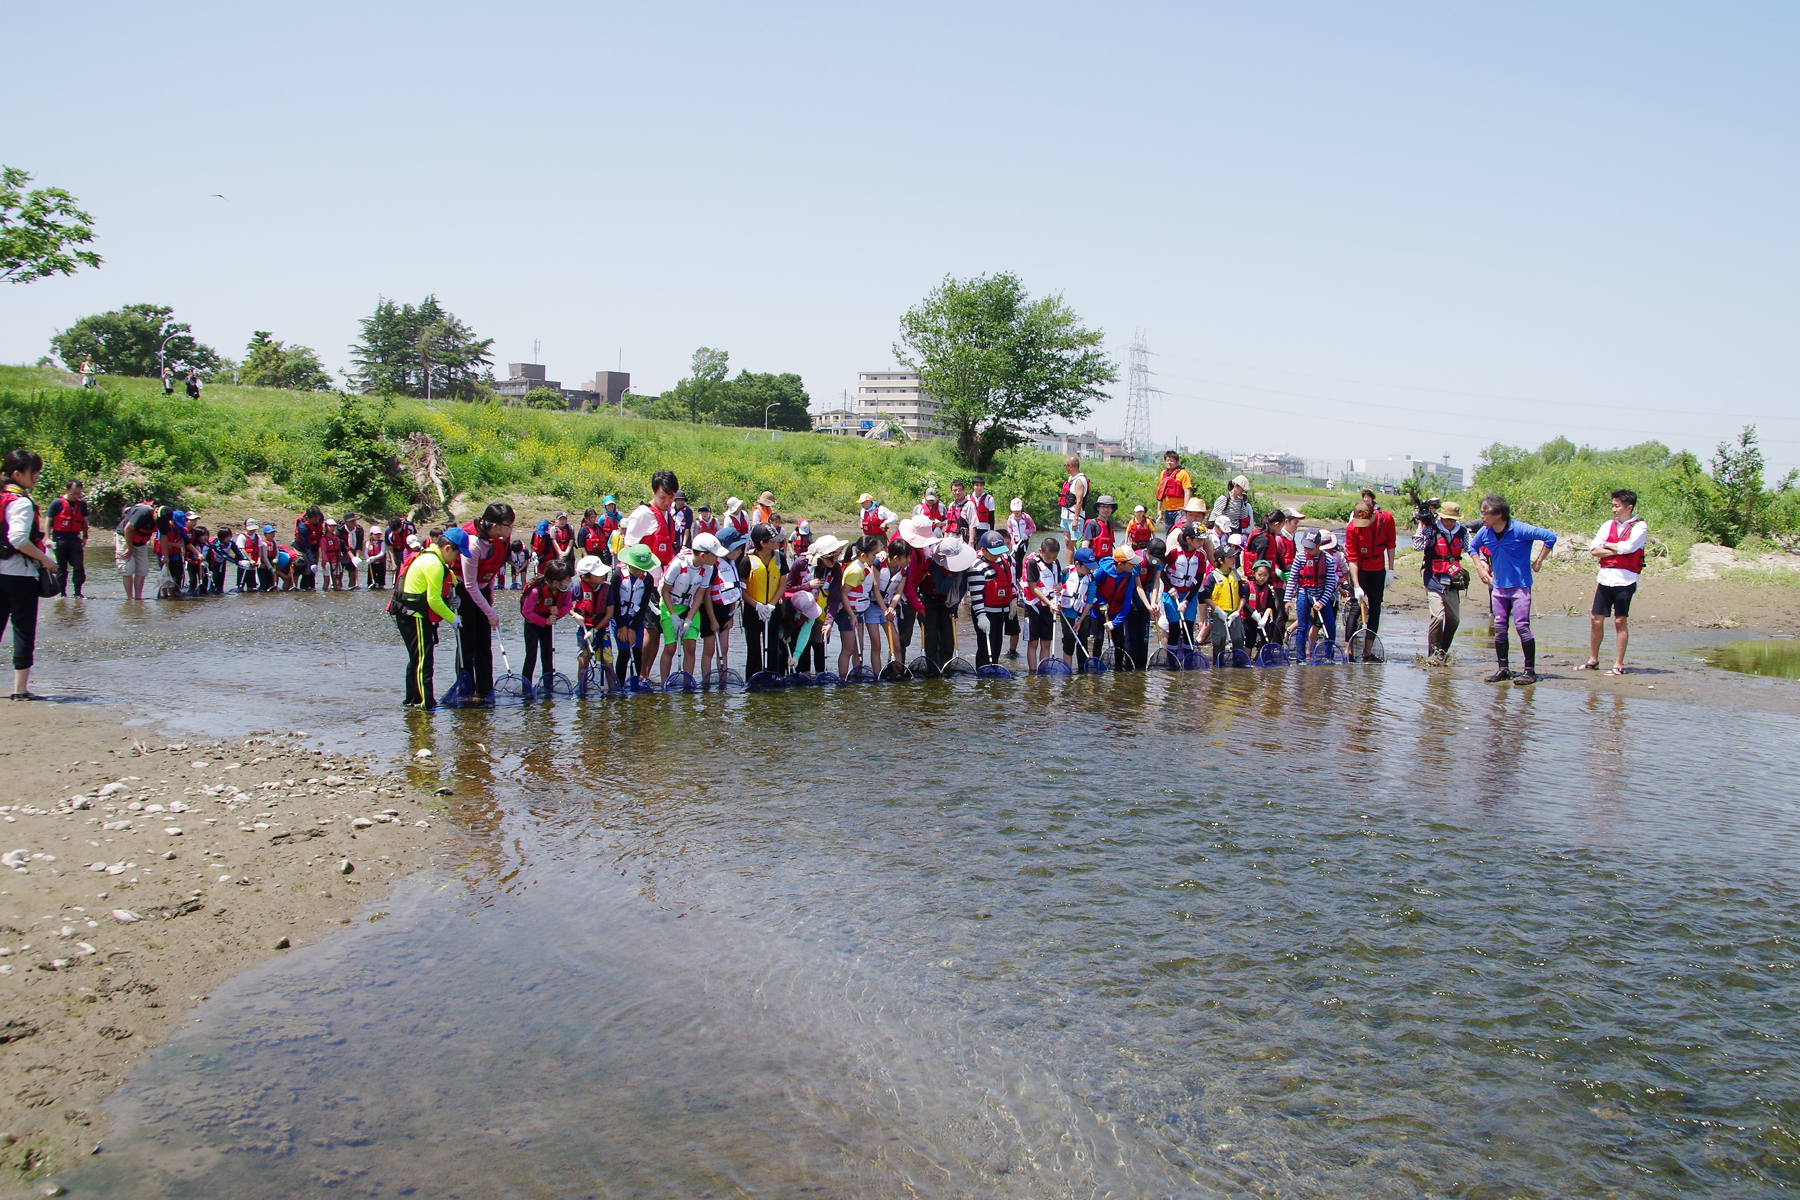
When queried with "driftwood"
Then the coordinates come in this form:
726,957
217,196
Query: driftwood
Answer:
425,463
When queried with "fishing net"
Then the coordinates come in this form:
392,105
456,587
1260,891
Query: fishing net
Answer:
1365,647
896,672
723,677
799,679
1162,660
680,681
993,671
1189,658
765,681
826,679
1054,666
511,684
1324,650
637,685
861,674
558,684
1231,656
1094,666
960,665
920,668
1272,655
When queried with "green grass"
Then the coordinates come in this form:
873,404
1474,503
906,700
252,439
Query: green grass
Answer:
243,443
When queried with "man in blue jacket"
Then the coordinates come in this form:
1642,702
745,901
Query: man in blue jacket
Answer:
1509,545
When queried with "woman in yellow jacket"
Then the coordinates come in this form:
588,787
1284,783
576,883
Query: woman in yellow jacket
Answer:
419,606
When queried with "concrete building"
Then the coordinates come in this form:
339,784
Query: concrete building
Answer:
842,421
894,394
1087,444
606,388
1397,469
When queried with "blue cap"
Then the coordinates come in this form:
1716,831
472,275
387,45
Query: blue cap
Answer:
180,519
268,529
730,537
1085,557
993,541
457,536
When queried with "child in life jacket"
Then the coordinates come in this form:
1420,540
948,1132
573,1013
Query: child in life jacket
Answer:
993,590
1266,614
375,545
518,561
1139,531
1311,586
547,599
861,587
631,607
593,608
331,555
727,591
1077,598
1223,591
896,610
1184,566
1040,579
803,538
1097,530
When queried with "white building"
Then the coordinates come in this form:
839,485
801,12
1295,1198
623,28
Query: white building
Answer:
894,394
1397,469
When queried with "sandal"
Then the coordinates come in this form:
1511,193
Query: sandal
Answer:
1589,666
1615,670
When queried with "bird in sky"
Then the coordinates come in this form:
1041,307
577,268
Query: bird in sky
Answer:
216,196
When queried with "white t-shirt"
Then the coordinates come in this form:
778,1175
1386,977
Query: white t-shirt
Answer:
1637,532
1077,494
640,526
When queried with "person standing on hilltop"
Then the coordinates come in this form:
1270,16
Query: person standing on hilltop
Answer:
1510,543
168,380
1619,545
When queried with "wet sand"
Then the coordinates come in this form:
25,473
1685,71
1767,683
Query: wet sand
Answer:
113,926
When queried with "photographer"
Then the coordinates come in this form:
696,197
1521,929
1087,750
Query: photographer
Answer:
1443,540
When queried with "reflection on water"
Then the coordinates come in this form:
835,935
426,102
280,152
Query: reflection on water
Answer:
1318,932
1759,657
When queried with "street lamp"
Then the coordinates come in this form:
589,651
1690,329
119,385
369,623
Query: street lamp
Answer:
766,412
162,362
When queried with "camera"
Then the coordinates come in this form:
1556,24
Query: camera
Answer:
1426,511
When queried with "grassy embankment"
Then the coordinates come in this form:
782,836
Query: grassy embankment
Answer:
268,452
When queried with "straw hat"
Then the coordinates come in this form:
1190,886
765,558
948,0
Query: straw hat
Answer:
1194,505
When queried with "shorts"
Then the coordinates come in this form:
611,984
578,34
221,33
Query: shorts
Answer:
701,624
1070,526
134,561
873,615
1613,601
843,620
1040,624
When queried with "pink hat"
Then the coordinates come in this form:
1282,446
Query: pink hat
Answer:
917,532
806,604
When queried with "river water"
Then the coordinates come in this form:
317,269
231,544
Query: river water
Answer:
1346,931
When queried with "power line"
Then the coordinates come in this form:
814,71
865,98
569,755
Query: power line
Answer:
1406,387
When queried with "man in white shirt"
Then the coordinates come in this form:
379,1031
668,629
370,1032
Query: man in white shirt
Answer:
1619,547
1072,504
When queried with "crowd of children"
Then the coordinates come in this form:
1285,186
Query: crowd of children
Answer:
662,592
322,553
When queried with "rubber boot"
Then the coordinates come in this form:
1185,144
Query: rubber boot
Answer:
1504,673
1529,675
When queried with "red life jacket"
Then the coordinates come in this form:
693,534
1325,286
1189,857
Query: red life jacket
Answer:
543,601
1169,486
565,537
1625,562
541,547
494,565
662,542
1281,551
871,521
1113,590
304,531
1312,575
11,493
706,525
932,511
1184,570
66,517
1140,534
1066,497
984,510
997,593
609,522
253,549
801,542
592,603
1446,550
591,538
1098,535
956,521
740,521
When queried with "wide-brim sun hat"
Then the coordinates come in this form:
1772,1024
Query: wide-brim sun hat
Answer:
733,504
1328,541
706,543
638,556
766,498
829,544
954,554
1194,504
590,565
865,498
917,532
1107,500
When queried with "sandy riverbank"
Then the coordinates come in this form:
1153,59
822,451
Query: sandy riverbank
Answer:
113,925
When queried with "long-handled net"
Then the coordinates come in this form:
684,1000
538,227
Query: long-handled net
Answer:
511,683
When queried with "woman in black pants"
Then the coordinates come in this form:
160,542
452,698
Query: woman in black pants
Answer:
21,554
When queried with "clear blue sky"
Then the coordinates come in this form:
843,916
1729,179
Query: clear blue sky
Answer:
1346,229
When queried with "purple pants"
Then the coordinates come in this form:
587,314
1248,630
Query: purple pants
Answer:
1512,604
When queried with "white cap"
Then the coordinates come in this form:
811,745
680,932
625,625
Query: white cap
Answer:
591,565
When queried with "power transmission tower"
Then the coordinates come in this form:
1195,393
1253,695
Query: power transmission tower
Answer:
1137,397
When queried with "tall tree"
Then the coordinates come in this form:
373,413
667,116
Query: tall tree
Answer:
709,369
1001,364
418,351
39,230
126,341
270,363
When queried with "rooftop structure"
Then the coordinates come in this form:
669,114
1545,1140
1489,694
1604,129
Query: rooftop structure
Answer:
605,389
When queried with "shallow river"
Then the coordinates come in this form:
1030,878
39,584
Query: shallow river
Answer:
1321,932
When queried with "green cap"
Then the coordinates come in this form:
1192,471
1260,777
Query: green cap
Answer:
638,556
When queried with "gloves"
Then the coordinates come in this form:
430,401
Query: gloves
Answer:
981,622
1362,595
765,611
1391,576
